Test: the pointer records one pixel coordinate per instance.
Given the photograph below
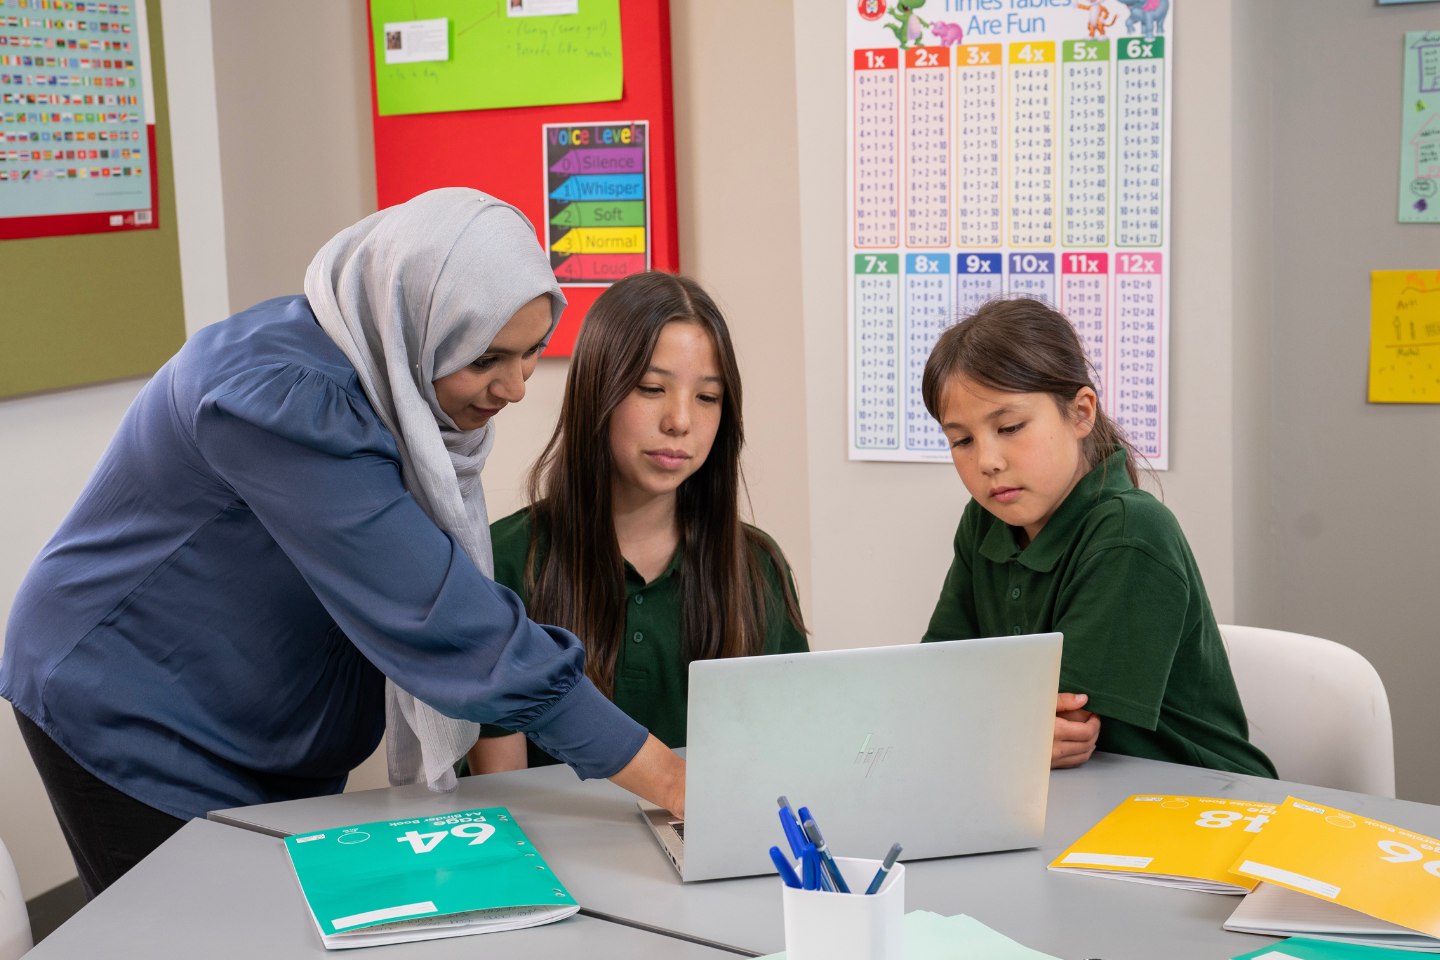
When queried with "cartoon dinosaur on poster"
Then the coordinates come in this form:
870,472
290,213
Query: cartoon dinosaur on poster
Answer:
909,26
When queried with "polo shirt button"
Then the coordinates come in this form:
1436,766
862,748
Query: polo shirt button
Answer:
640,636
1015,630
1015,593
639,598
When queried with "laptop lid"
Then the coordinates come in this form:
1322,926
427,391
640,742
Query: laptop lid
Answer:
943,747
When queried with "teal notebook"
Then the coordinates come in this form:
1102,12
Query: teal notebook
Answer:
1300,948
473,871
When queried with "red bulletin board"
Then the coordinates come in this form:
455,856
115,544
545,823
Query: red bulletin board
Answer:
502,151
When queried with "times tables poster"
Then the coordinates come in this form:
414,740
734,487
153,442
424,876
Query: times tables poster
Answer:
1007,148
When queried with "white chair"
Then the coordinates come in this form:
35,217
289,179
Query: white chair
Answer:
1317,708
14,920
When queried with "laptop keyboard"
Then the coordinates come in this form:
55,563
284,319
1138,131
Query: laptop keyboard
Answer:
679,827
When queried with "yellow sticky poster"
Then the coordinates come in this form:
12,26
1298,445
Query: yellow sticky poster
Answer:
1405,336
1376,868
1175,841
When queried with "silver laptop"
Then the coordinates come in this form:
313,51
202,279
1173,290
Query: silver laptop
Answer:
942,747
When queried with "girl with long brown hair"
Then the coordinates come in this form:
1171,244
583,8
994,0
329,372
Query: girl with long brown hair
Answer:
633,538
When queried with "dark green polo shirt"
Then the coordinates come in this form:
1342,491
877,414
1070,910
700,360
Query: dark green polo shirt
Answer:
1112,571
652,671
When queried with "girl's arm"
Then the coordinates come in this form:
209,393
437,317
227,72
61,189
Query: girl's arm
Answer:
497,754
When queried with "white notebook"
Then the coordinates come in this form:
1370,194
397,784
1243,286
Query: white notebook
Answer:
1281,912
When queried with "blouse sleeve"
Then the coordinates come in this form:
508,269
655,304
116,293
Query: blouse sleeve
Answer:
510,541
319,471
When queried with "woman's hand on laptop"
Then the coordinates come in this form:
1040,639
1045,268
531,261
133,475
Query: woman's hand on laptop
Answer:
1076,731
656,774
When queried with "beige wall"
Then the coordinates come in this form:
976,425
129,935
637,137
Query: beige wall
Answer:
292,87
760,151
738,183
1339,534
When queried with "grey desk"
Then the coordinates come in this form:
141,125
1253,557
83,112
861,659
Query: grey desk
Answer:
593,836
216,892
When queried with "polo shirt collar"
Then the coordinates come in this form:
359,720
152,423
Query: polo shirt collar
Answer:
1108,479
633,580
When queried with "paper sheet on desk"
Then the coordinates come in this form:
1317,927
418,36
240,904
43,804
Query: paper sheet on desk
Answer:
930,936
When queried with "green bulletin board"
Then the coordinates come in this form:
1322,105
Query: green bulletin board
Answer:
499,61
90,308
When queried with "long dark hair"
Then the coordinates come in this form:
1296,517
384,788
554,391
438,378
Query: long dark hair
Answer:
1020,345
578,582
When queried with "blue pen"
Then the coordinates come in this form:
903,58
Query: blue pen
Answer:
793,834
782,866
806,822
812,830
822,879
884,870
811,864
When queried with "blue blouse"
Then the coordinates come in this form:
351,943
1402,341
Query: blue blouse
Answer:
212,624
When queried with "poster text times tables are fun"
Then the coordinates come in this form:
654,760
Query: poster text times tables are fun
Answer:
1007,148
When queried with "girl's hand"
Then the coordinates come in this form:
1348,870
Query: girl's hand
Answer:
1076,731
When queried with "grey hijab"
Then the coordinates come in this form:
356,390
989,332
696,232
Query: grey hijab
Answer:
410,294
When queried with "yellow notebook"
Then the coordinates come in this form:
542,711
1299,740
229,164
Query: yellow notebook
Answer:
1336,857
1187,842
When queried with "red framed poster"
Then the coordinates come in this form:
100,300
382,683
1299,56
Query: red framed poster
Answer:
597,179
77,132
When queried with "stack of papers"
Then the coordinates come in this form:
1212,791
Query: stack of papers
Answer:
1342,876
473,871
1326,873
1277,911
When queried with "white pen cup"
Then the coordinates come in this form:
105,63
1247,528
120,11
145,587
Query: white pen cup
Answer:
820,925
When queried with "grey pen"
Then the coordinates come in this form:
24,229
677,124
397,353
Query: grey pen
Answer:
812,830
884,870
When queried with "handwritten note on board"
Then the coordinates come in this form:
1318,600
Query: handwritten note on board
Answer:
1420,129
1405,336
501,61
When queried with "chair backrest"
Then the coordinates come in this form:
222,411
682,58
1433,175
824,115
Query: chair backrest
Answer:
14,920
1317,708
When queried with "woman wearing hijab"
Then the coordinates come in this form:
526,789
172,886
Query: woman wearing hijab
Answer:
288,532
